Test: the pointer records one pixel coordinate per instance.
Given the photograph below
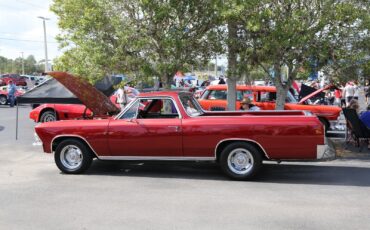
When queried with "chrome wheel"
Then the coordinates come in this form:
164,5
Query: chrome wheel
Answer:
3,100
71,157
48,117
240,161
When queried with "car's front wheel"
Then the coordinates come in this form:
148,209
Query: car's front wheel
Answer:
48,116
72,156
240,161
3,100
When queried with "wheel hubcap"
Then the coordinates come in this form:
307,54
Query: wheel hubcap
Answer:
49,117
71,157
2,100
240,161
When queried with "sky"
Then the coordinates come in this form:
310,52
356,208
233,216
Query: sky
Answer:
22,31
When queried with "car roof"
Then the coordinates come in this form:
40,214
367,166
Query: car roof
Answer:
244,87
163,94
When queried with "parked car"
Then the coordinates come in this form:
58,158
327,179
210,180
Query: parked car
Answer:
173,126
55,112
214,98
4,95
18,80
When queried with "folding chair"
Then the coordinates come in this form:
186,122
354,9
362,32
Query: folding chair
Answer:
356,129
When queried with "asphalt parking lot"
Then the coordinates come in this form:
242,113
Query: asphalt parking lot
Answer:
122,195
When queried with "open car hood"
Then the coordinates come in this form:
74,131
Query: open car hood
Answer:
92,98
314,93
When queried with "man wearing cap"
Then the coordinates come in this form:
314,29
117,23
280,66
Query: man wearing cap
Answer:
246,104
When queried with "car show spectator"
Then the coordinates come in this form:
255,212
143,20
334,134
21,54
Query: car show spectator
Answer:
348,92
246,104
338,97
353,104
11,93
356,91
222,81
122,98
367,91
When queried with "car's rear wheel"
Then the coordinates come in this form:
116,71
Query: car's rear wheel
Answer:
48,116
240,161
72,156
3,100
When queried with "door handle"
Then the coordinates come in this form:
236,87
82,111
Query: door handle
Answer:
177,128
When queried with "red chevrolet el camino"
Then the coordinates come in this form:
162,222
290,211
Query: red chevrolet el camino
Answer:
173,126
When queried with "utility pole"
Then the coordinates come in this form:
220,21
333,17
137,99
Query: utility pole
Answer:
45,44
22,64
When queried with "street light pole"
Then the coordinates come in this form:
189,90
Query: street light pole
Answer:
45,44
22,64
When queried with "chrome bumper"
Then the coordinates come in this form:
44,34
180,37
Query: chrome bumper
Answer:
326,151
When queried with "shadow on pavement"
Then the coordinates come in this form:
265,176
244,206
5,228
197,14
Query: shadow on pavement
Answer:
270,173
1,128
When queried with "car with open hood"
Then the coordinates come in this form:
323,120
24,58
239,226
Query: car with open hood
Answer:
214,98
172,126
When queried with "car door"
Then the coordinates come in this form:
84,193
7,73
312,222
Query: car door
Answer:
148,128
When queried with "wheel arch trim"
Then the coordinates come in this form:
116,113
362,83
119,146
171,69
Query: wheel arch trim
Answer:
74,136
244,140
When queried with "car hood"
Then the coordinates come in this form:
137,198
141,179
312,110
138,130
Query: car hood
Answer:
314,93
92,98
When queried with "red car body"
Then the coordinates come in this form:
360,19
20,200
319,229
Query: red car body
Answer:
260,97
52,112
234,139
4,95
17,80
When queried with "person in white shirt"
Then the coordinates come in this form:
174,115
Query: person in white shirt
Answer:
349,92
122,98
356,91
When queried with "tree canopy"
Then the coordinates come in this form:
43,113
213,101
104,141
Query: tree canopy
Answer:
158,38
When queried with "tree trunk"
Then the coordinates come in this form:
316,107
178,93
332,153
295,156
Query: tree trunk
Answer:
281,88
232,65
166,81
231,94
281,93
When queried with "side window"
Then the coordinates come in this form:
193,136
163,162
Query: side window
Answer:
131,112
217,95
266,96
157,109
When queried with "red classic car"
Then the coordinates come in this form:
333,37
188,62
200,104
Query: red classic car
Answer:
214,98
55,112
173,126
4,95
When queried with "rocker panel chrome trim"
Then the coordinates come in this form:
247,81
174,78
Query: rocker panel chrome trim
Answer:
163,158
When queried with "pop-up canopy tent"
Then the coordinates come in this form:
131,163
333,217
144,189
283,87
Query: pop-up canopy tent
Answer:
51,91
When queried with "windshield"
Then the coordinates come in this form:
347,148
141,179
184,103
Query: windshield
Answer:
191,106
